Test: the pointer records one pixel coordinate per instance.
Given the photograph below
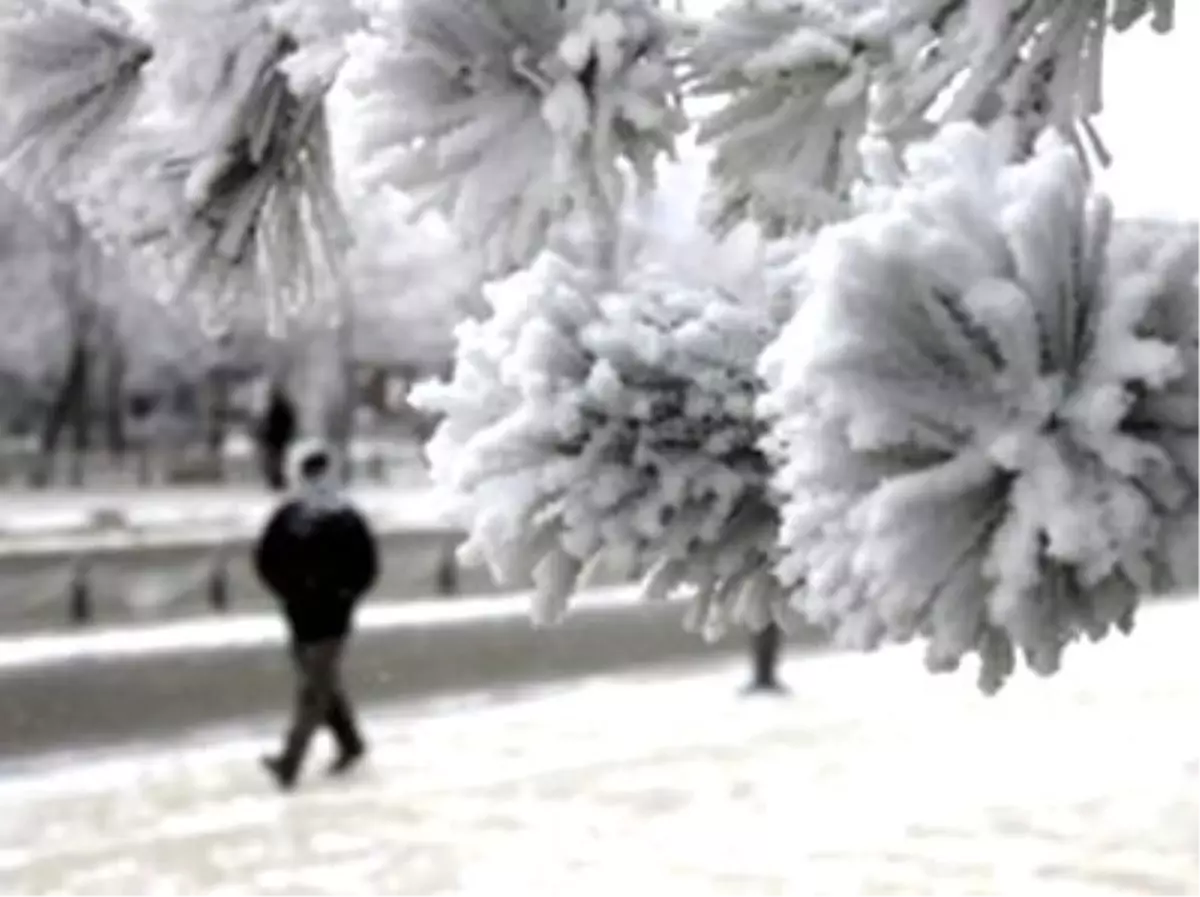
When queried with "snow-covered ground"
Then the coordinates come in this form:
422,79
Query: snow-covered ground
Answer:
874,777
254,630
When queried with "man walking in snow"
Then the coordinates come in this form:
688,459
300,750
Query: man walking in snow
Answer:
317,555
276,431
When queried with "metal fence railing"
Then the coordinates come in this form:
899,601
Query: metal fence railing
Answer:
24,466
88,581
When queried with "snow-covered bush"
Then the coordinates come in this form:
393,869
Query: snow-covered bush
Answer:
985,408
605,415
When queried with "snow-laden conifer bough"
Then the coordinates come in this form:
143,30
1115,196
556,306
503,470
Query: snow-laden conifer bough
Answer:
986,411
794,80
199,158
895,372
607,416
507,114
69,74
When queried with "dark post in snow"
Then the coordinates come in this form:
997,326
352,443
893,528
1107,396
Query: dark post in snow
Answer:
79,595
447,570
218,583
375,465
765,647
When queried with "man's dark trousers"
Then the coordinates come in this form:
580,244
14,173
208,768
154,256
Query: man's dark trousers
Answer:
320,700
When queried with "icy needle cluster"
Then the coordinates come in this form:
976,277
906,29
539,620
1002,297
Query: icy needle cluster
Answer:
985,413
601,417
1039,62
501,113
793,76
224,189
69,75
322,32
785,89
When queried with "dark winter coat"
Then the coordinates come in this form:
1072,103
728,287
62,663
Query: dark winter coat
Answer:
278,426
319,562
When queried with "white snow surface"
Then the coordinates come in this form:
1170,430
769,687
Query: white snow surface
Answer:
873,777
250,630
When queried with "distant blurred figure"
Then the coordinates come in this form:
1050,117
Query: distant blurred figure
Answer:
765,647
318,556
276,432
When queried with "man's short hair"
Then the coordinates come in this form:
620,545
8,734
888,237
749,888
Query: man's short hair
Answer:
315,464
308,460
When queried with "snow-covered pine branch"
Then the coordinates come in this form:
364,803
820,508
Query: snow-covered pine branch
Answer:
500,114
225,186
792,77
790,86
606,416
69,74
322,31
985,409
979,60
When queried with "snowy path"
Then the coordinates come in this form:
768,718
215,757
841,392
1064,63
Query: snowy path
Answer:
873,778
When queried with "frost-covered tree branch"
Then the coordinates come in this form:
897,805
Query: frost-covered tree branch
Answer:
608,417
794,79
505,114
800,81
69,74
986,407
224,188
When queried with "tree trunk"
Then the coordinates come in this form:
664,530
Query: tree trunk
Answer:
81,417
60,413
71,406
114,397
216,419
342,424
323,387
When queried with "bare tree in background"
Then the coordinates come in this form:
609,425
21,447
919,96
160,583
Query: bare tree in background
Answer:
69,408
77,334
410,284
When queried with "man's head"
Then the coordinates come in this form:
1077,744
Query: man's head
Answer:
312,464
315,464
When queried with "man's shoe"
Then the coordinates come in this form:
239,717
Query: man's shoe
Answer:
346,761
284,775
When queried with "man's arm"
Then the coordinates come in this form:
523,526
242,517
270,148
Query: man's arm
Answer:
364,555
271,554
